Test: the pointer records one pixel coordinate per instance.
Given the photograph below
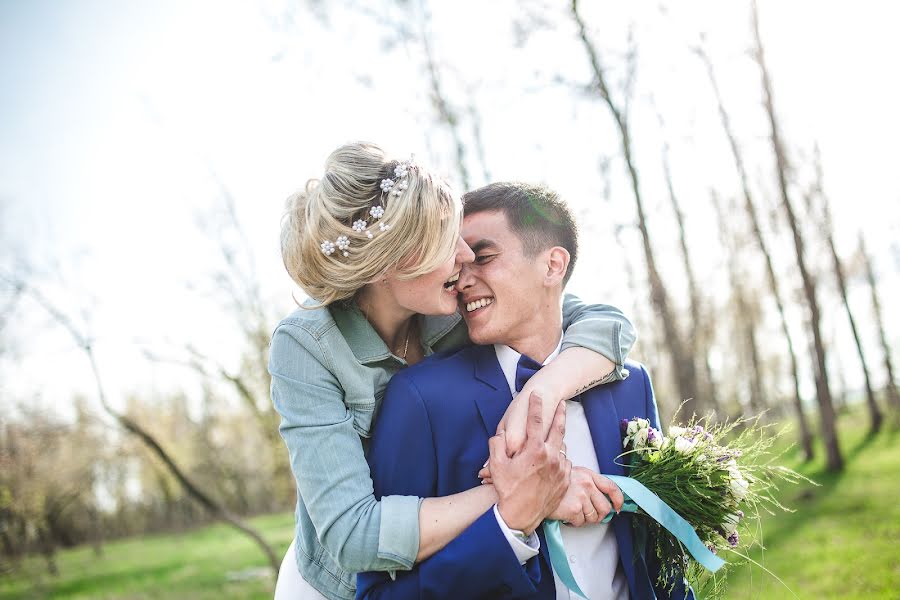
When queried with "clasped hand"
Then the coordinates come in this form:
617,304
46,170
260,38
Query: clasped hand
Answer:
539,481
531,483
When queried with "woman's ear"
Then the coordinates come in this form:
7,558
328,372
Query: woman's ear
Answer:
557,266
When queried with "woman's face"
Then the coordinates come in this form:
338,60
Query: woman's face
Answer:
433,293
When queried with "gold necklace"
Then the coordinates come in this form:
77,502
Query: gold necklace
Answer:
408,330
406,344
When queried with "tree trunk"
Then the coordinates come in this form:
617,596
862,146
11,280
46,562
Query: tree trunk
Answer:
683,368
697,341
834,459
774,287
875,416
891,385
745,315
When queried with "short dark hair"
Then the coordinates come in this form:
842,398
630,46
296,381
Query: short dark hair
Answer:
536,213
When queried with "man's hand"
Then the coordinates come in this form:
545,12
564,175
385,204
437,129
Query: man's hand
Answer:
588,498
531,483
514,421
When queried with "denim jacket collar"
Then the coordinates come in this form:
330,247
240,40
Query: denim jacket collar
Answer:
367,345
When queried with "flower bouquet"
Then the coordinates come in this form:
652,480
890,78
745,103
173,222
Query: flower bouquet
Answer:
715,485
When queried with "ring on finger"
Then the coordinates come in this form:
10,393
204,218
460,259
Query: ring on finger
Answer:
593,512
563,452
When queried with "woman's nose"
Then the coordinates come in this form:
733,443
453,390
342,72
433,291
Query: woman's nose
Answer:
464,254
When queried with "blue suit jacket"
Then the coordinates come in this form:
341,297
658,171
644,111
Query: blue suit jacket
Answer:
431,439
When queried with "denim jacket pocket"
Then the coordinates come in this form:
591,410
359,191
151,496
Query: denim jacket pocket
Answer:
363,412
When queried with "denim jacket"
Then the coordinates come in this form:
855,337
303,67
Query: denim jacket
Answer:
329,371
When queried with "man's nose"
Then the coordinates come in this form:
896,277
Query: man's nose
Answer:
466,277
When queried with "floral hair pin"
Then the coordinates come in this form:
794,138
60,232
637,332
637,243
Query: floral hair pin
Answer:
395,186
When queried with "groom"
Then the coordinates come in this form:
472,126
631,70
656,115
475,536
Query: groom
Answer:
437,418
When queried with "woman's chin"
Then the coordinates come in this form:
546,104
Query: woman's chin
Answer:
445,305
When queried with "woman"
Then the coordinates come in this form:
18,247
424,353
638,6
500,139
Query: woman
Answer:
376,243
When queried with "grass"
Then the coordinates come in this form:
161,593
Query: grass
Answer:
841,542
201,564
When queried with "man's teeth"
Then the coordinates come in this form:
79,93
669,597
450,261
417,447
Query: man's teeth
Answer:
478,304
451,281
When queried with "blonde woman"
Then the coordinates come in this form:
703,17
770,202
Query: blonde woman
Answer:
375,244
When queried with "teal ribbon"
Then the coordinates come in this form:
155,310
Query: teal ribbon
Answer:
636,497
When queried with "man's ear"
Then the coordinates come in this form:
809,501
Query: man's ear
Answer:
557,266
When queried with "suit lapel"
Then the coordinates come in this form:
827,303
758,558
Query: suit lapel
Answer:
603,421
494,398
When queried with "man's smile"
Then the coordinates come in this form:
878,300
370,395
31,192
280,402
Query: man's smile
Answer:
474,305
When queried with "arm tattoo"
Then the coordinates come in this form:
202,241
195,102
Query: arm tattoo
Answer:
611,376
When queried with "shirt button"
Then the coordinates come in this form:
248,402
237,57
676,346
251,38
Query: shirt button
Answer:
571,558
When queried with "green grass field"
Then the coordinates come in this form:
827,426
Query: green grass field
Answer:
840,543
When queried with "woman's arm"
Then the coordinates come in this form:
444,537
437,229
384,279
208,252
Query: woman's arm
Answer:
442,519
329,464
596,341
333,478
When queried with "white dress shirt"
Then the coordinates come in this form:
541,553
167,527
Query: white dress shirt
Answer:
593,550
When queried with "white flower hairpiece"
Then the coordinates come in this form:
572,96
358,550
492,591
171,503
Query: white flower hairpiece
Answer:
395,186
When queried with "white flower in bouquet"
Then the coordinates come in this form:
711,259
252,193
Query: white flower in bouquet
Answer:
685,445
739,485
675,431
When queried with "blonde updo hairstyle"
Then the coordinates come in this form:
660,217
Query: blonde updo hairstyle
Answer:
424,222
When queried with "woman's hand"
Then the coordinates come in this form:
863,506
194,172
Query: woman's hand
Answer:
589,499
574,371
531,483
513,421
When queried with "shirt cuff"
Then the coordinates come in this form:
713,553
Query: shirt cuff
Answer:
524,549
398,535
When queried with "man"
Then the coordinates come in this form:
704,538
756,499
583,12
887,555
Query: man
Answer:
438,417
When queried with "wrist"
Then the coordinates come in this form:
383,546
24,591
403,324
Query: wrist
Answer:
514,521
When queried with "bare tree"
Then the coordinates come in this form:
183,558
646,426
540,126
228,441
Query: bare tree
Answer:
834,459
753,217
702,325
445,111
84,343
827,230
745,315
891,384
683,369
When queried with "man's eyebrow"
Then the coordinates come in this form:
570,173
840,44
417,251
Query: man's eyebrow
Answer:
482,245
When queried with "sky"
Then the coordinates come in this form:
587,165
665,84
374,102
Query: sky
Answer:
122,122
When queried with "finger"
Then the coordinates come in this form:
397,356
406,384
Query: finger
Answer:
608,487
534,425
558,427
484,472
600,505
577,520
502,424
497,446
487,481
513,423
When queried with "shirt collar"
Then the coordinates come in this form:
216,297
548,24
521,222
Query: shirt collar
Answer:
365,343
509,360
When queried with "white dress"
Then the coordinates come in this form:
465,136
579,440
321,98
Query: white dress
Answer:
290,584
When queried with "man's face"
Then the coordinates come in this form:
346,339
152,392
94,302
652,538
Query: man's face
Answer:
502,292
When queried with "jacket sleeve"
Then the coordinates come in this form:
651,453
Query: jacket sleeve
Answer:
479,563
598,327
329,464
